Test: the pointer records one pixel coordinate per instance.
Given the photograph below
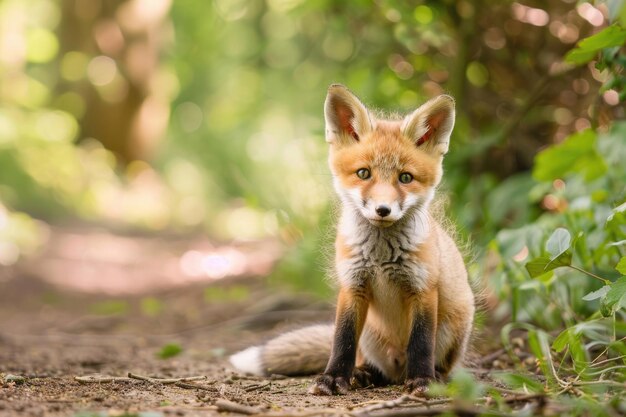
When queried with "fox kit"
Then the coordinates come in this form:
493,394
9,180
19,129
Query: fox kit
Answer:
405,307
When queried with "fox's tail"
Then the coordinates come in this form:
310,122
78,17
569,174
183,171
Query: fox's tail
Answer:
300,352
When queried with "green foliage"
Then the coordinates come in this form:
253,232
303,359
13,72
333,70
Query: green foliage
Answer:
614,298
576,154
226,295
588,48
621,266
169,351
462,387
151,306
569,299
110,307
520,381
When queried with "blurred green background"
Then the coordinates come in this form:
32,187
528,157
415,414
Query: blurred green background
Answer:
206,116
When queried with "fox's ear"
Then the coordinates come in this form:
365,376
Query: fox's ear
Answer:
347,119
431,124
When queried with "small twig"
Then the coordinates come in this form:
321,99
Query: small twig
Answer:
187,385
61,400
381,405
167,380
94,379
225,405
404,402
414,411
436,401
256,387
524,398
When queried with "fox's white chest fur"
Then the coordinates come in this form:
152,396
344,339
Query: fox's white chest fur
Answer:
384,254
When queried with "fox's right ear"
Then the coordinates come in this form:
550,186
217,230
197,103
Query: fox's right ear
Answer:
430,126
347,119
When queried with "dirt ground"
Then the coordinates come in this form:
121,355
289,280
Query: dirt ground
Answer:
50,334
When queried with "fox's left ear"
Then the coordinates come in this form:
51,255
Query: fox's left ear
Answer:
431,124
347,119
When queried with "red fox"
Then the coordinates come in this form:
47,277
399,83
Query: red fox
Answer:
405,307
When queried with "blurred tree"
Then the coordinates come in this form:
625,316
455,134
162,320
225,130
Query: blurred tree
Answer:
120,41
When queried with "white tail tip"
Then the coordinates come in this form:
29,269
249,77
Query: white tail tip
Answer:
248,360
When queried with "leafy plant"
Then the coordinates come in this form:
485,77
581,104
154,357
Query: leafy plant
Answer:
565,271
170,350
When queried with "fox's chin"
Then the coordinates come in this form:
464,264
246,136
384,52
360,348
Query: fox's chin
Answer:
381,222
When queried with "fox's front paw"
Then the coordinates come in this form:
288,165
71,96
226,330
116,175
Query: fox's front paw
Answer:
417,386
326,384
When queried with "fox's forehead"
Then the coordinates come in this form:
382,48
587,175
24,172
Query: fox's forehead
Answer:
387,152
387,148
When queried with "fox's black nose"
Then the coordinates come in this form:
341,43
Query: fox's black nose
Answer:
383,210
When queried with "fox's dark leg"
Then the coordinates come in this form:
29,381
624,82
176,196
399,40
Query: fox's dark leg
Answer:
351,312
421,347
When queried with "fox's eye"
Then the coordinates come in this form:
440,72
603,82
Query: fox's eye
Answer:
406,178
363,173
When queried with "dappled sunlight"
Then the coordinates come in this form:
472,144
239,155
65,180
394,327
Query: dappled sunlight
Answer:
101,262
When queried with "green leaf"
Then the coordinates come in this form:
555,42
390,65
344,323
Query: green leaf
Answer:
561,341
170,350
594,295
463,387
577,153
564,259
619,209
621,266
540,347
587,48
539,266
572,338
558,242
611,301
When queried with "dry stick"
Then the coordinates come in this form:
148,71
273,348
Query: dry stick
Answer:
524,398
412,412
100,379
187,385
381,405
399,402
315,412
256,387
61,400
225,405
428,403
506,390
167,380
402,401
